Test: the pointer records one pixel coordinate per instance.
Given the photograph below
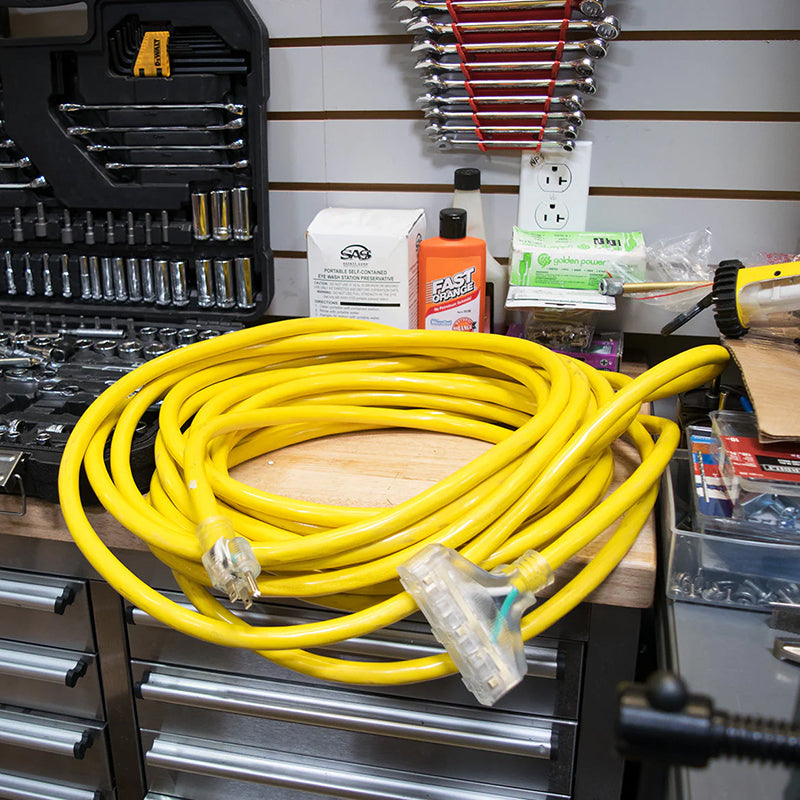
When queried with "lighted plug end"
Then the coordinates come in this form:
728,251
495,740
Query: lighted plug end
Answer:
476,614
230,561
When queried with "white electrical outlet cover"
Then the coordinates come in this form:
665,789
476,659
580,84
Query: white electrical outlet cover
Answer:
554,185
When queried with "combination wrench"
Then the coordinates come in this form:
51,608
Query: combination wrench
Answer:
80,130
574,118
606,28
584,67
594,48
584,85
36,183
571,102
589,8
105,148
448,143
437,130
237,109
21,163
243,164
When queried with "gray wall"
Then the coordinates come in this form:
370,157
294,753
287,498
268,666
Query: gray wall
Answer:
696,125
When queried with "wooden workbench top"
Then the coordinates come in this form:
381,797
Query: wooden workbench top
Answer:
376,469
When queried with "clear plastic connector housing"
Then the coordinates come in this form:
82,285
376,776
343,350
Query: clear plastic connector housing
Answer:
476,614
229,560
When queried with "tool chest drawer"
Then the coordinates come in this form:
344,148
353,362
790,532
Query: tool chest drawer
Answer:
192,768
355,726
45,609
50,679
53,749
552,687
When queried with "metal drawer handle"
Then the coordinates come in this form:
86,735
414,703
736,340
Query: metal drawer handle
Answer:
29,661
49,736
407,720
12,787
36,596
320,775
543,662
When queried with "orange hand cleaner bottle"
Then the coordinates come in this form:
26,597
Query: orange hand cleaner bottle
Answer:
452,276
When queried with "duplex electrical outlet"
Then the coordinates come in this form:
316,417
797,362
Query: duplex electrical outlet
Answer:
554,189
551,216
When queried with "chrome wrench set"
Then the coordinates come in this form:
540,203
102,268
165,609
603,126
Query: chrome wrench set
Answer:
507,74
160,136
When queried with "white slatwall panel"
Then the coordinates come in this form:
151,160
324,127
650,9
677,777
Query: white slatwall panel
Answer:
730,221
364,83
647,154
301,18
634,76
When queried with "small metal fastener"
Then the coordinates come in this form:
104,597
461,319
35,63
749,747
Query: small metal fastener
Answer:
757,590
744,597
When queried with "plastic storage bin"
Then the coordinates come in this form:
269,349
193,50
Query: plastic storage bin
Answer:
719,569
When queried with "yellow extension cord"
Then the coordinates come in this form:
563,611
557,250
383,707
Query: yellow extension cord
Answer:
550,418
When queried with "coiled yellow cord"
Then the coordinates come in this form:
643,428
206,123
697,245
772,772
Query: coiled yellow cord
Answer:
550,419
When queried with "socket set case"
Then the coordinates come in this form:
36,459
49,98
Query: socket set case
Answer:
717,568
133,206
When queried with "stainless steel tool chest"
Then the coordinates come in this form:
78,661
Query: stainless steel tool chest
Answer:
52,714
196,699
185,720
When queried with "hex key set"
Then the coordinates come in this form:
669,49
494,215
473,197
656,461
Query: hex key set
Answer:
133,207
507,74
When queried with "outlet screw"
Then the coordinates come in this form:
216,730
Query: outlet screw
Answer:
536,159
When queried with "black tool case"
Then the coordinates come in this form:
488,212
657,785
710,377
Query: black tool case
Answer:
133,204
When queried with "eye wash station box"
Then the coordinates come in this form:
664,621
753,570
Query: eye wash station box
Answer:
363,264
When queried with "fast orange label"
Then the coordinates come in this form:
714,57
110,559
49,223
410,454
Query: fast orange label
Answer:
452,284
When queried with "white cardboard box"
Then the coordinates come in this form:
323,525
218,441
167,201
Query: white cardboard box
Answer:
363,264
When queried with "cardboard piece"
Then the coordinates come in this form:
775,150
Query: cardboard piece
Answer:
771,373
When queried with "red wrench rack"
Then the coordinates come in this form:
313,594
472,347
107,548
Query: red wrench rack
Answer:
478,97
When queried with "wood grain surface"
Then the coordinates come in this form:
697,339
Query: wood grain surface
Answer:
373,469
